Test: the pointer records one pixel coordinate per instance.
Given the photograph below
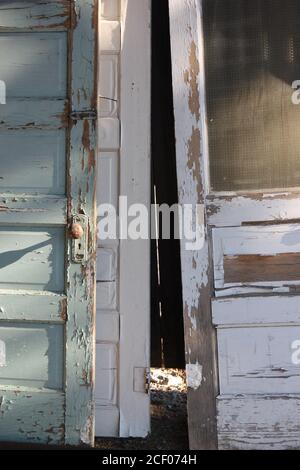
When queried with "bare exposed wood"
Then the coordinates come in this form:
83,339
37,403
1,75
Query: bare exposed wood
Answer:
256,257
186,42
253,268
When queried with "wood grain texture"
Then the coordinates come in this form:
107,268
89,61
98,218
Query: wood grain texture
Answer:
256,257
257,268
25,114
187,58
34,15
259,422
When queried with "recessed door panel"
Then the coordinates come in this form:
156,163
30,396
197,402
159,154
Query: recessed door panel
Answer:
33,162
34,64
32,355
258,360
32,258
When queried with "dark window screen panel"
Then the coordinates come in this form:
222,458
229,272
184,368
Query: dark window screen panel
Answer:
252,57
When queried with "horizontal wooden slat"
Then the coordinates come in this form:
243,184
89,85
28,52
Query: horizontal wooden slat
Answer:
259,422
28,416
251,257
34,15
29,114
258,268
34,65
29,210
237,210
256,310
32,306
258,359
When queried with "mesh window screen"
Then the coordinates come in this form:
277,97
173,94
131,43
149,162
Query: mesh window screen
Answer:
252,57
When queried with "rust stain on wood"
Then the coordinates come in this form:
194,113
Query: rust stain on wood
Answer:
64,117
262,268
87,146
73,15
63,309
193,163
191,79
95,25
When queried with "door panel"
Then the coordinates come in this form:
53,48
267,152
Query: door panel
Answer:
28,416
258,360
33,355
34,64
251,59
260,422
39,163
47,137
32,259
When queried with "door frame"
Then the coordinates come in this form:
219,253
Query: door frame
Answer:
135,181
124,31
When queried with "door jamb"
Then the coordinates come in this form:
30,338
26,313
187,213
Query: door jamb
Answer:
134,301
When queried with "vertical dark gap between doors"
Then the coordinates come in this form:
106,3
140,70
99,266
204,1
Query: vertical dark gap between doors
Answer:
167,335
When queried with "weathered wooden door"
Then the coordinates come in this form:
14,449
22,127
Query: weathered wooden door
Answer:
47,230
241,142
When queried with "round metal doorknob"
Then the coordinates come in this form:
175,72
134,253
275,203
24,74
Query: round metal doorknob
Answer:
76,231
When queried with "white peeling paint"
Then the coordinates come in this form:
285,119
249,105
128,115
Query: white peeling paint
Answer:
2,354
193,322
194,375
